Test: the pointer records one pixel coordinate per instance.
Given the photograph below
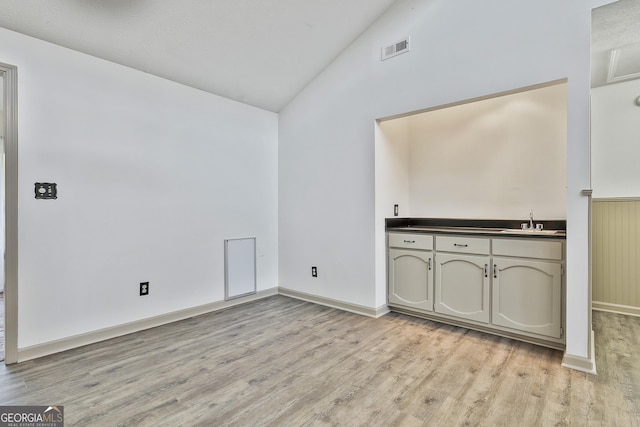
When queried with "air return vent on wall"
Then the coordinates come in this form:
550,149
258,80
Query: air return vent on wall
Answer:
624,63
397,48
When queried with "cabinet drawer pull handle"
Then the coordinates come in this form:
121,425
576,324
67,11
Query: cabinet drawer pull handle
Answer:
460,245
495,271
429,263
409,241
486,270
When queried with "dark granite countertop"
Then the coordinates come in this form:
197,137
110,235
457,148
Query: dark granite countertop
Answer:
552,229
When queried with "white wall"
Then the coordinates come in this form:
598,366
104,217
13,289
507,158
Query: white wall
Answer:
2,111
460,50
392,174
615,140
2,124
492,158
152,177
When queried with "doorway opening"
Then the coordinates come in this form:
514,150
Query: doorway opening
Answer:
9,212
615,106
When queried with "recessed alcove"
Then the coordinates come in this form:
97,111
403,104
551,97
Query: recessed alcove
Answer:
496,157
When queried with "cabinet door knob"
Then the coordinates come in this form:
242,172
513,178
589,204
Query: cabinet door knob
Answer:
429,263
486,270
409,241
495,271
460,245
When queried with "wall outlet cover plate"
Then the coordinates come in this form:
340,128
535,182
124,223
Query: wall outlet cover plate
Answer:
144,288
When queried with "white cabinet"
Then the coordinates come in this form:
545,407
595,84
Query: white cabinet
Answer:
527,248
462,286
510,286
463,244
422,242
527,292
411,278
410,269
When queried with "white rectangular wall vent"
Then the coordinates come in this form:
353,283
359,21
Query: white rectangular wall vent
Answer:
397,48
624,63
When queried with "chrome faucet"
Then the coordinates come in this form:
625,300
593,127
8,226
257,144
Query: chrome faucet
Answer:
531,226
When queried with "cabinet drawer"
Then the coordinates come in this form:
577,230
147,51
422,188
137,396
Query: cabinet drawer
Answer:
528,248
463,244
411,241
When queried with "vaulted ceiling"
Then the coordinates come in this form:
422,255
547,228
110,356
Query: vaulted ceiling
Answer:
259,52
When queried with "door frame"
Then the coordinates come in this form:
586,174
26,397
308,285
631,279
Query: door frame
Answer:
10,101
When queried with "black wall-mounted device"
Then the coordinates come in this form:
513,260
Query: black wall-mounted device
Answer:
46,190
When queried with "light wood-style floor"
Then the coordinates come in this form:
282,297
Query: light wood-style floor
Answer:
284,362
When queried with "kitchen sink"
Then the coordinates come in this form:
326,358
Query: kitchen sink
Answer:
521,231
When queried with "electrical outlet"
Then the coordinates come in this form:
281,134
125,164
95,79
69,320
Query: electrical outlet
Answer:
144,288
314,271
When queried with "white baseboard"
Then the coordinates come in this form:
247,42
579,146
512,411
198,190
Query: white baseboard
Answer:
583,364
51,347
353,308
382,310
616,308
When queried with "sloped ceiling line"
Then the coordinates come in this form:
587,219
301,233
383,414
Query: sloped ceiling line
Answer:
260,52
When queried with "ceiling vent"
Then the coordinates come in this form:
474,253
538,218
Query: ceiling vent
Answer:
624,63
395,49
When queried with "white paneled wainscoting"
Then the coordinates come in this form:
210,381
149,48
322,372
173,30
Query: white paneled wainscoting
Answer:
616,255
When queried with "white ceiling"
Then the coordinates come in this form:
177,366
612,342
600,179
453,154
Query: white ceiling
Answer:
615,27
260,52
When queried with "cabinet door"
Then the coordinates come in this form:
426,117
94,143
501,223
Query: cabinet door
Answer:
411,278
462,286
527,296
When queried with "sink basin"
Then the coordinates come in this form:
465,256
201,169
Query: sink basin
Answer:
454,228
521,231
